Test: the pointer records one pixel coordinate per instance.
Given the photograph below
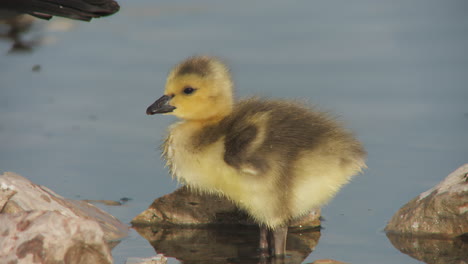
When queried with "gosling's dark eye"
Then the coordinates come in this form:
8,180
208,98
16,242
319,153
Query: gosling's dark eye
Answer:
189,90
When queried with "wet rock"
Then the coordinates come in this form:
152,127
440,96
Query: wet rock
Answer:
184,207
51,237
223,243
432,250
158,259
18,194
442,210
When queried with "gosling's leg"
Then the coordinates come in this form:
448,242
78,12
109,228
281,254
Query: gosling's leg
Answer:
264,242
263,238
279,240
273,242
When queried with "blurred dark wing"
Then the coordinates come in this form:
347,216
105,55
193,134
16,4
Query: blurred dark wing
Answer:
74,9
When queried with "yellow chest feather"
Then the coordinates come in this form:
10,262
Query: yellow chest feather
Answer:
202,168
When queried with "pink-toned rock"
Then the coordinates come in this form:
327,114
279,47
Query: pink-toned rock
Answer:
49,237
40,226
18,194
184,207
442,210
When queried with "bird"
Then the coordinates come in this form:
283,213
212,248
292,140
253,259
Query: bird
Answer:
84,10
275,159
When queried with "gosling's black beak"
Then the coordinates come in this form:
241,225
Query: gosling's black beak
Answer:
160,106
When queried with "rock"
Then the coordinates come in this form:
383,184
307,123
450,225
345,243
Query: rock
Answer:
218,244
441,211
203,228
18,194
158,259
431,250
5,194
50,237
184,207
433,227
40,226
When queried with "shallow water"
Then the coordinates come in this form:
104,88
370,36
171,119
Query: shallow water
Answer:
394,72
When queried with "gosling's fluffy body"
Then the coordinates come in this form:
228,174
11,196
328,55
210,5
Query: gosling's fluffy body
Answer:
275,159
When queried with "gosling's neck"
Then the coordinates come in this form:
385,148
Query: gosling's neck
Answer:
216,114
213,120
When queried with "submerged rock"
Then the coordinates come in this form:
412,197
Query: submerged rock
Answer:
184,207
40,226
442,210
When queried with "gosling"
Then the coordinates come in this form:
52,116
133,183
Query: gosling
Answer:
275,159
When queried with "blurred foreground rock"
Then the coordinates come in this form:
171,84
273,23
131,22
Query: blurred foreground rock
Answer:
433,227
50,237
183,207
40,226
222,244
442,210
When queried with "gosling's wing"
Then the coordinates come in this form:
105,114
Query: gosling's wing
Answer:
241,149
74,9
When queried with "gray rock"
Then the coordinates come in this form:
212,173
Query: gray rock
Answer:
442,210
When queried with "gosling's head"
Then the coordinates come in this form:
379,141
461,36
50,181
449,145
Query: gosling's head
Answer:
197,89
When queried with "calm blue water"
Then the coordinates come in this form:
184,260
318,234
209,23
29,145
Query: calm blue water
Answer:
395,71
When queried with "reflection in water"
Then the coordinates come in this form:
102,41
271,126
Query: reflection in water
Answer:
432,250
14,27
224,244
